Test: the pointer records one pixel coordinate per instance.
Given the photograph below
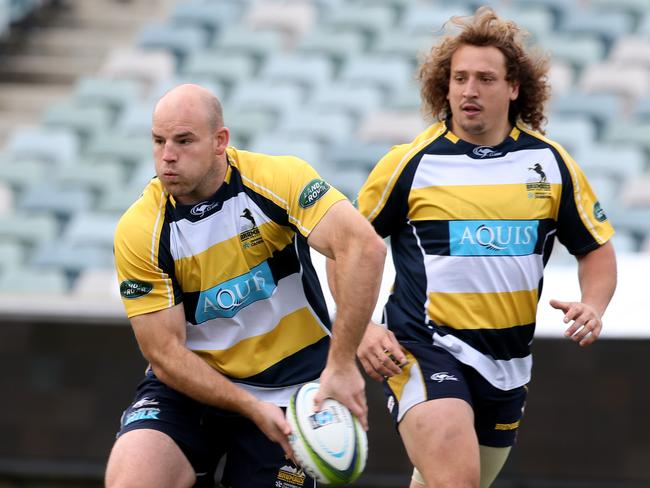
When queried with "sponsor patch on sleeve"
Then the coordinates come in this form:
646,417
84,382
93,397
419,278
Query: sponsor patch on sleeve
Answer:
599,213
134,288
312,192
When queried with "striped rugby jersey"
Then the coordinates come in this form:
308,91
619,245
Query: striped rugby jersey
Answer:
240,264
471,229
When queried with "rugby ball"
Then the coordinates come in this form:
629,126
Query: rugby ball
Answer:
330,445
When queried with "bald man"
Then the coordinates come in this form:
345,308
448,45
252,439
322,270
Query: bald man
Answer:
216,278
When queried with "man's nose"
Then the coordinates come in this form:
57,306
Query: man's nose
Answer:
169,154
470,88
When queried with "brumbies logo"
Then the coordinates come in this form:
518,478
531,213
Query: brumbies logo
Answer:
537,186
290,477
249,234
312,192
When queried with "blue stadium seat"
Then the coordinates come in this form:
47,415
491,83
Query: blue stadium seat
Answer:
21,174
390,73
277,98
57,146
308,71
425,19
336,45
606,23
354,98
71,259
238,38
279,144
220,66
85,120
33,280
582,49
113,93
210,16
90,228
180,40
325,127
368,20
600,107
355,154
60,201
28,228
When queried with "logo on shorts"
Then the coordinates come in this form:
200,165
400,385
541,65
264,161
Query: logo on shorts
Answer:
391,403
134,288
145,402
142,414
290,477
443,376
312,192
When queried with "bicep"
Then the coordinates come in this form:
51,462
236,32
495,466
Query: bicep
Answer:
158,332
339,226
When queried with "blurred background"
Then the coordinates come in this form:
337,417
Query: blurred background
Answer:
331,81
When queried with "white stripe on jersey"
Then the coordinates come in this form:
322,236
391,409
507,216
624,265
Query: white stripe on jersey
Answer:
414,391
502,374
460,169
482,274
213,229
277,396
259,318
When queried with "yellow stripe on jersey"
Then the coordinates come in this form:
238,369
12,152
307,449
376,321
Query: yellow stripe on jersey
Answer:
492,202
584,196
398,382
187,269
251,356
260,172
382,179
483,310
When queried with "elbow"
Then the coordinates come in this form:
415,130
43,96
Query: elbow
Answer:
374,248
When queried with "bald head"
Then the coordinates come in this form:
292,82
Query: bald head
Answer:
191,100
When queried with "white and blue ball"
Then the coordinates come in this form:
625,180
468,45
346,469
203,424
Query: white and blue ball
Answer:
330,445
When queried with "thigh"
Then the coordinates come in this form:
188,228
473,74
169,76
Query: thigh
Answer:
498,413
136,453
178,418
253,461
441,442
431,373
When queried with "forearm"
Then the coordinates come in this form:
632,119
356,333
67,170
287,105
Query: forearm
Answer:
597,277
184,371
356,278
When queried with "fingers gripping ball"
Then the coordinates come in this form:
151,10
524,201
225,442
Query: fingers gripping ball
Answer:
330,445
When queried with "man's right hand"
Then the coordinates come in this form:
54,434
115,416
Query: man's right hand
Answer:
270,419
380,353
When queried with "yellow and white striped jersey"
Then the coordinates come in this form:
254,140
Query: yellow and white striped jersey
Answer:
240,264
471,229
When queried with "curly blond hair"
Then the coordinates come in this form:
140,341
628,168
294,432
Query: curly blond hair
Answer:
485,28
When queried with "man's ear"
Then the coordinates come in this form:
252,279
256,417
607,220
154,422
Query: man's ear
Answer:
514,91
221,140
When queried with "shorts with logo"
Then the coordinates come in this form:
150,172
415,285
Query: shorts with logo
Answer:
205,434
433,373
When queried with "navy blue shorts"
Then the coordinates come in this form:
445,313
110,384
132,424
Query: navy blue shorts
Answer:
433,373
205,434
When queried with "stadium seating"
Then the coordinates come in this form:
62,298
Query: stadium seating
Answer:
331,81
